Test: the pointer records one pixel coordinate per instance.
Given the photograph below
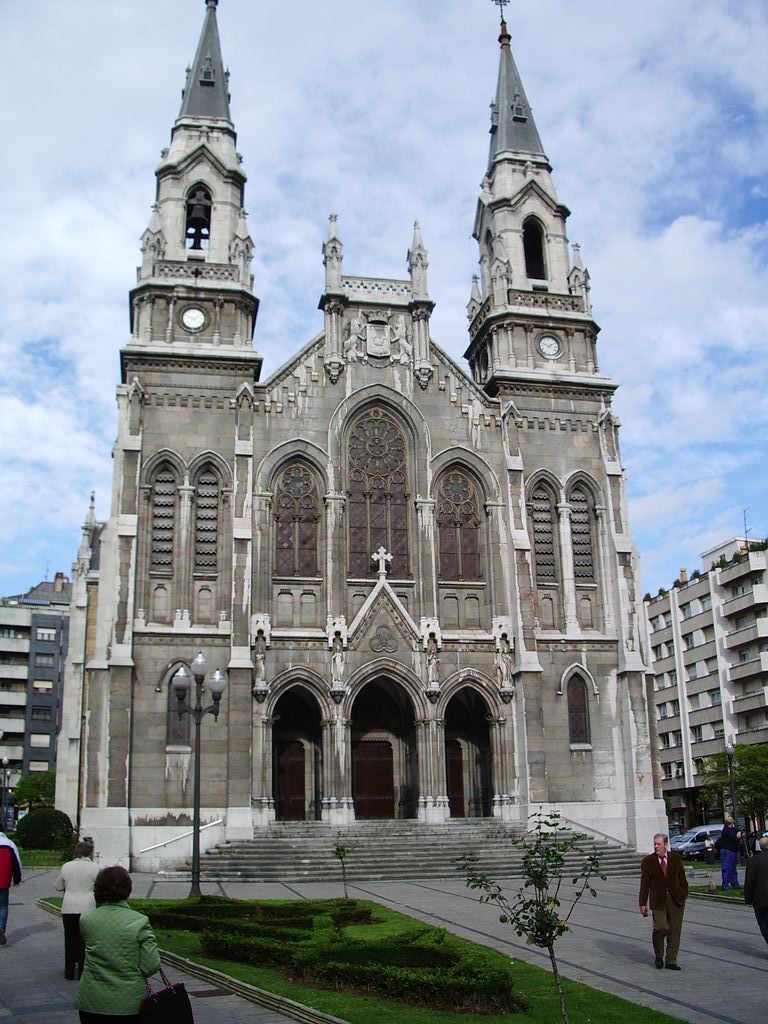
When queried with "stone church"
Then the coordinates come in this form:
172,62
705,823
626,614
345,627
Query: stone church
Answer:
418,581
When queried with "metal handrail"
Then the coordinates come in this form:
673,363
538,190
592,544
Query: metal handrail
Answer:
594,831
184,835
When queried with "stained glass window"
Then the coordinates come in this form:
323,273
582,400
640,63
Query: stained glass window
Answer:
458,523
296,523
578,710
378,494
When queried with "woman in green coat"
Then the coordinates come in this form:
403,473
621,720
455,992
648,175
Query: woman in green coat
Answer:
120,952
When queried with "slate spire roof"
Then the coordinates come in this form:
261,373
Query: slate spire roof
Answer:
512,124
206,94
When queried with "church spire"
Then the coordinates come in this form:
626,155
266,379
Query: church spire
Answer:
206,94
512,124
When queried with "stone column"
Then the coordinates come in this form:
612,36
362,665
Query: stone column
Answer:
569,583
262,796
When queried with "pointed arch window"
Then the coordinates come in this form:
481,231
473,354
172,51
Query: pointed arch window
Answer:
458,525
378,494
544,528
207,511
533,248
297,517
582,539
197,231
163,520
578,710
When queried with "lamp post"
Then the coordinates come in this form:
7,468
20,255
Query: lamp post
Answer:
6,784
182,685
729,749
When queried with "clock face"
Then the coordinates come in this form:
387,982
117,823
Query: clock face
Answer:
193,318
549,346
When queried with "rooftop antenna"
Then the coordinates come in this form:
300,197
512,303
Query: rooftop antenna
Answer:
747,529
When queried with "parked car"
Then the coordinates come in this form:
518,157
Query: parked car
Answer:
692,844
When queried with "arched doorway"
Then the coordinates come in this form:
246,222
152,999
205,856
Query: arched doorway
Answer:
468,756
384,761
296,746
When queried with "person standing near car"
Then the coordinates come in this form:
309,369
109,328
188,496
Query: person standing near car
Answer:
728,846
756,885
662,878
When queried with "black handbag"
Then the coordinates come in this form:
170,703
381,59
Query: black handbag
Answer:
168,1005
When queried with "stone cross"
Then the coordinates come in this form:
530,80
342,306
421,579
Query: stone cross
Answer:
382,556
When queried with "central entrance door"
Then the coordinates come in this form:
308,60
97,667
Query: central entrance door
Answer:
384,761
373,779
454,764
290,798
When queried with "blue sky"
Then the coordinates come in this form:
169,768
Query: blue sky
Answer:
654,116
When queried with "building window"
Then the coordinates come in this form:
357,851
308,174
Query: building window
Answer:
378,494
207,522
697,733
578,710
45,633
42,685
39,766
163,521
39,739
41,714
543,517
706,603
297,514
533,247
44,661
716,698
581,536
458,524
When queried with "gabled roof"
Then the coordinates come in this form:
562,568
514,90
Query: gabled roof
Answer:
512,124
206,94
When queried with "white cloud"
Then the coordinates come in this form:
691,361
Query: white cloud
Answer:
655,117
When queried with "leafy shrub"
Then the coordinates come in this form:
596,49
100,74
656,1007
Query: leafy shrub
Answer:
45,828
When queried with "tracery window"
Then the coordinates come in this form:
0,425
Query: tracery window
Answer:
378,494
533,248
207,495
163,521
458,524
544,525
581,536
296,523
578,710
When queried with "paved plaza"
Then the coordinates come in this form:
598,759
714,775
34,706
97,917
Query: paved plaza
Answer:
724,957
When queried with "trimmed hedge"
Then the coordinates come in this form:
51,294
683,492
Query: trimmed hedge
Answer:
420,964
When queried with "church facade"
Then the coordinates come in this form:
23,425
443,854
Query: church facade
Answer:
419,583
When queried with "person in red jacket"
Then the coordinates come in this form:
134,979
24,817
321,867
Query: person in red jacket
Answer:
10,871
662,877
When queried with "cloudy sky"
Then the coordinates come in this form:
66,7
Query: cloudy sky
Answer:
654,116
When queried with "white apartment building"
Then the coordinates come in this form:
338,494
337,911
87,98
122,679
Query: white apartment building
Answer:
708,638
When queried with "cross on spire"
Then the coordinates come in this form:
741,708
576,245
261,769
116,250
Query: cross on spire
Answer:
382,556
501,4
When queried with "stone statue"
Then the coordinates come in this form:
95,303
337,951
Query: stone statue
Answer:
337,660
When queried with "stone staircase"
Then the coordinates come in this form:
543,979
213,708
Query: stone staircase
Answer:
379,850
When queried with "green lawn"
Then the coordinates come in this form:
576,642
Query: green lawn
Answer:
586,1005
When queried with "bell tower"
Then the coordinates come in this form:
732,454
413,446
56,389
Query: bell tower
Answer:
529,310
194,283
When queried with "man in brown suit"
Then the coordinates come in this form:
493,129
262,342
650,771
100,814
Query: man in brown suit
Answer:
662,875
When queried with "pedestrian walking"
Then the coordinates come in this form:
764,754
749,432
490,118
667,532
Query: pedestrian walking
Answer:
756,886
120,952
728,845
76,880
663,884
10,871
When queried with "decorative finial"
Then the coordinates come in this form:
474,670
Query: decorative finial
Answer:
501,4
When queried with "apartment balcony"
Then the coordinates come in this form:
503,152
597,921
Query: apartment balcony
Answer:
14,645
758,595
662,636
757,630
14,751
753,667
13,699
754,563
697,621
711,681
747,737
708,748
14,672
751,701
10,725
712,715
700,652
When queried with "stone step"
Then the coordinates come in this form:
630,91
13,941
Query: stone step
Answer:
386,850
